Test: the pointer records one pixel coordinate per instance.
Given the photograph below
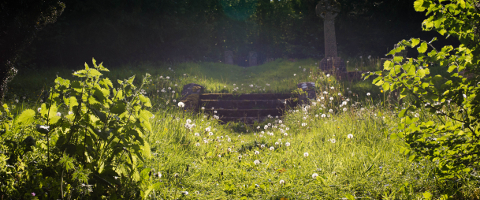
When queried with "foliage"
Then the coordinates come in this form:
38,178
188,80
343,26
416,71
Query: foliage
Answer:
176,31
451,140
92,135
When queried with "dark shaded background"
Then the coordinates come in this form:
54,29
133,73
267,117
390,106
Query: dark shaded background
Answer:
128,31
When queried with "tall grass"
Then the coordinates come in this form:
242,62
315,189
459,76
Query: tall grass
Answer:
338,146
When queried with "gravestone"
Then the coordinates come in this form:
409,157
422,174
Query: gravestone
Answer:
328,10
252,58
229,57
269,60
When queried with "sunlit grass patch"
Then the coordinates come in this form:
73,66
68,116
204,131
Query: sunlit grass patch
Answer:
337,145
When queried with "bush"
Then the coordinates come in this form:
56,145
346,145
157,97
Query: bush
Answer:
452,141
87,141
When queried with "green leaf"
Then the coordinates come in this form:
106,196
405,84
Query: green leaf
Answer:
415,42
397,59
451,68
130,80
26,118
102,116
118,108
412,157
422,48
145,115
146,150
427,195
72,102
350,197
378,81
387,65
386,86
94,72
145,100
421,73
461,3
418,5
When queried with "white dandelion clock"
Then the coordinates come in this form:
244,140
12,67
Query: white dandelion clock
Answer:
256,162
287,144
314,175
349,136
181,104
305,154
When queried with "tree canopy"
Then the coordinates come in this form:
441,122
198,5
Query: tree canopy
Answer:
119,31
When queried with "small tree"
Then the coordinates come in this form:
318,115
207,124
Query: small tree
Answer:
20,20
452,138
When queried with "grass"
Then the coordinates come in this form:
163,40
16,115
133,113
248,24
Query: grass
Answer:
307,154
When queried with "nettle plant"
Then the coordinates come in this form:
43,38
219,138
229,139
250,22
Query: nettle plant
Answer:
94,134
452,138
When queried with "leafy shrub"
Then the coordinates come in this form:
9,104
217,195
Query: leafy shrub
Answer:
453,139
91,136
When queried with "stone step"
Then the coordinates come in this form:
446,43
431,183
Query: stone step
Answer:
247,104
239,113
246,120
229,96
247,108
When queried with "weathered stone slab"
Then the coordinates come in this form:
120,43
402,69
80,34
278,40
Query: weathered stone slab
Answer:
191,96
252,58
229,57
270,60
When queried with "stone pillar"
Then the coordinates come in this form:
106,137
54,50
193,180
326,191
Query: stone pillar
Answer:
229,57
328,10
252,58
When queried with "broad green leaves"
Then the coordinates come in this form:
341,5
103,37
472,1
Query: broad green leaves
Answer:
445,93
95,127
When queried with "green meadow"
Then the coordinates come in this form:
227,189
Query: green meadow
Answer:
340,145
